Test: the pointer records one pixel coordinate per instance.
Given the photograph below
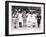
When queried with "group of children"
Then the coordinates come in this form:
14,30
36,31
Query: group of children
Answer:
25,19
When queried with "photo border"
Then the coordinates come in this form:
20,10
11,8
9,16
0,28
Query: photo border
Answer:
7,18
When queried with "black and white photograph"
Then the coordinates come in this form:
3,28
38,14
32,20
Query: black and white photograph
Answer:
25,18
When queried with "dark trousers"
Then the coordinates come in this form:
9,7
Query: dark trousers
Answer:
38,21
20,24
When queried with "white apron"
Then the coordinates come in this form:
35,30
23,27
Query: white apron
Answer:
34,19
29,23
20,18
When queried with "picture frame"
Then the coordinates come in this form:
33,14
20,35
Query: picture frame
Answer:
9,10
